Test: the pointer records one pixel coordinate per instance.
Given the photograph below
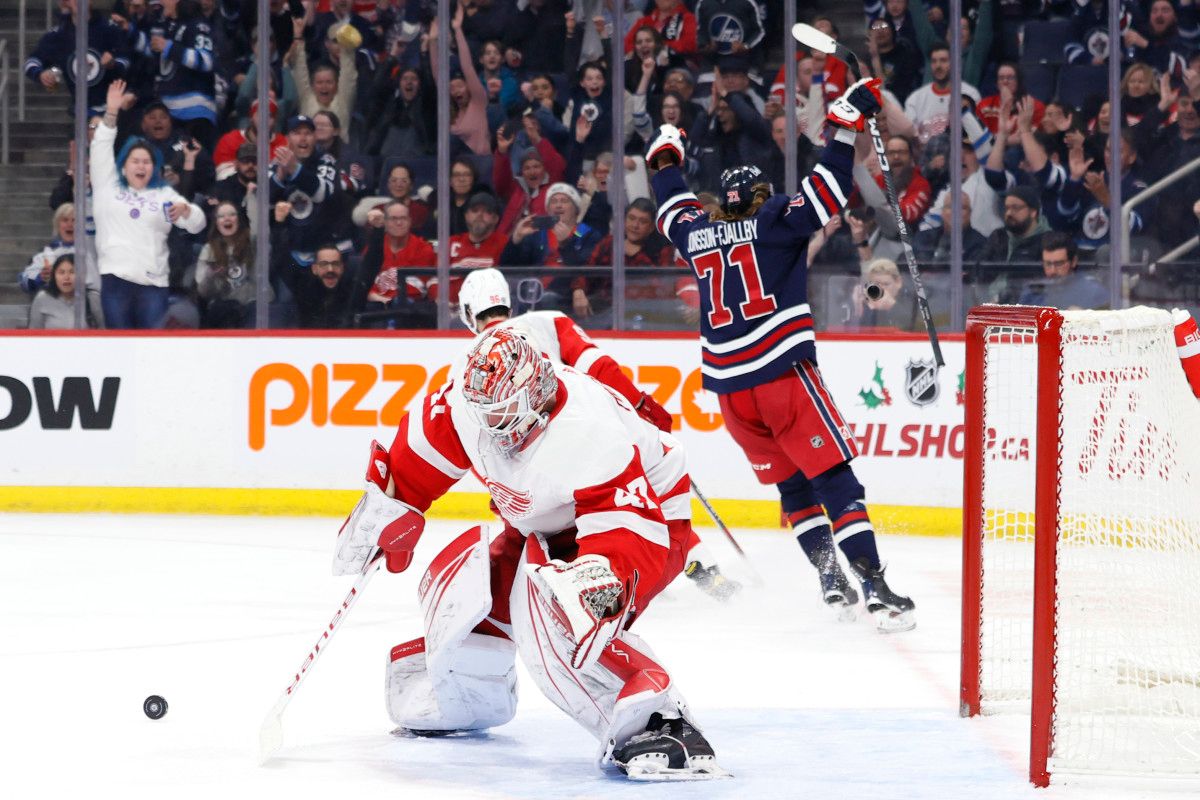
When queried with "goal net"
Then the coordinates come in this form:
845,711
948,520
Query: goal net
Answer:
1081,540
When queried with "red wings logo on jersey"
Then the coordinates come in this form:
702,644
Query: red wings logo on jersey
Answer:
512,504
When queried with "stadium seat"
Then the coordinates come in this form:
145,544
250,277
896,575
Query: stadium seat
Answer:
1043,40
1078,82
1040,80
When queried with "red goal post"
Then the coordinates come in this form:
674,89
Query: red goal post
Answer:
1081,538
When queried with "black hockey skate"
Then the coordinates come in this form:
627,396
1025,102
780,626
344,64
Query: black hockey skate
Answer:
669,749
711,581
837,592
892,612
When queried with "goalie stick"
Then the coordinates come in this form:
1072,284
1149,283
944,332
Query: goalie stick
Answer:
270,735
809,36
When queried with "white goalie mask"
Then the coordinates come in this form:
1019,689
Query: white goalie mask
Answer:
482,289
509,387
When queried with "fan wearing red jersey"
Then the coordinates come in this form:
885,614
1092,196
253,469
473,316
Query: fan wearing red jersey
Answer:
485,304
583,548
758,348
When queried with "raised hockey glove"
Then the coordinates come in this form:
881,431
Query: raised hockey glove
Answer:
378,521
861,100
666,148
649,410
589,597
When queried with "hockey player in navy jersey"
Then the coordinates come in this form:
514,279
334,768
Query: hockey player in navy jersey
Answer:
759,353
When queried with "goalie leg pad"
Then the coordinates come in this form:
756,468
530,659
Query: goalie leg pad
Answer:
478,690
612,697
455,595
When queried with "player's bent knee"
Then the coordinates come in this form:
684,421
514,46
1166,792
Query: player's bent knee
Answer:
477,690
838,488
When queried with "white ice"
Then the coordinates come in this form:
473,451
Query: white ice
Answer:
215,614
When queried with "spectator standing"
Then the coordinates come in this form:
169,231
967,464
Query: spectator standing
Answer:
242,183
230,144
402,113
468,97
330,87
225,274
309,184
135,210
1010,89
929,106
894,59
726,27
52,62
1064,286
674,22
912,190
535,30
185,164
181,45
1166,37
1090,193
54,306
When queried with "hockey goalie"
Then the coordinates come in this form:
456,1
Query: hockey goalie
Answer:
583,546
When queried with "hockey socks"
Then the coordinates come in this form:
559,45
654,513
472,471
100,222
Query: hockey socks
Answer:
853,532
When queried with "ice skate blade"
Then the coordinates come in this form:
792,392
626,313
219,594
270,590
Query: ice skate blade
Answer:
653,767
887,622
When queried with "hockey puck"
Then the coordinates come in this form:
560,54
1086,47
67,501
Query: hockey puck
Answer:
874,292
155,707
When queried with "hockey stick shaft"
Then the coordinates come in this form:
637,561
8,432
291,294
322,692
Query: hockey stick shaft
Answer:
725,530
270,736
811,37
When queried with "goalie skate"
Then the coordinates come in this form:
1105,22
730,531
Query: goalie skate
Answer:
668,750
892,612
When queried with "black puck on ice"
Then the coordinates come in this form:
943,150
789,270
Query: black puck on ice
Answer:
155,707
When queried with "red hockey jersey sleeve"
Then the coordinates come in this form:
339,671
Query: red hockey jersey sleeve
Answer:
427,458
579,351
622,520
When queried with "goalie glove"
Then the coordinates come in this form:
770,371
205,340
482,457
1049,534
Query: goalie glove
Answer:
378,521
862,100
589,598
668,147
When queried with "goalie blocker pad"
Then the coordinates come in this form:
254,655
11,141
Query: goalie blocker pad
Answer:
453,679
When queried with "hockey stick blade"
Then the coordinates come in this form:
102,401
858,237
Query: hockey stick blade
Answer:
813,39
270,735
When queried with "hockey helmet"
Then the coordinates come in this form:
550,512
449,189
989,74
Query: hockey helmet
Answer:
482,290
737,187
509,387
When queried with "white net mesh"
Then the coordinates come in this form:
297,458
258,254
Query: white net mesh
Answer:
1127,674
1006,622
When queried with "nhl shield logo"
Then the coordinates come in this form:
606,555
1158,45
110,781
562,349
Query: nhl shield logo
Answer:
920,382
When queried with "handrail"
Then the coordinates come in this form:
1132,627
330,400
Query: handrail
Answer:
4,101
1150,191
1183,249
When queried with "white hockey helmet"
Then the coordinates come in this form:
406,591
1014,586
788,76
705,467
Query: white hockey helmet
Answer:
509,387
483,289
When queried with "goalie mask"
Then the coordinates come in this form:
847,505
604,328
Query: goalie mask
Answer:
509,387
483,289
737,187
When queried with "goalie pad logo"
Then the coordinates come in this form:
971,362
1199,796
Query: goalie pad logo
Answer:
920,382
513,505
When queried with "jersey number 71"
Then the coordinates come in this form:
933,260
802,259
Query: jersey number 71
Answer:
713,262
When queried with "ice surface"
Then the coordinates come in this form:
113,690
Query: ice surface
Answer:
215,614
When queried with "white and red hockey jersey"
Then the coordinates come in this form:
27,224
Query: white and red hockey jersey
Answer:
597,469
